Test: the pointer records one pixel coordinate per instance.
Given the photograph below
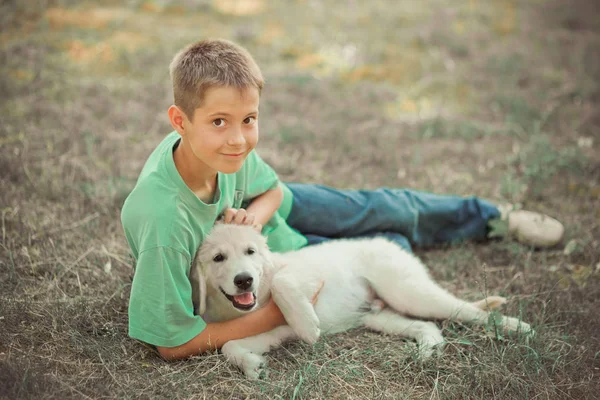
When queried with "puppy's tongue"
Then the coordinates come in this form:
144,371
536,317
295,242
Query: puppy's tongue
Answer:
246,298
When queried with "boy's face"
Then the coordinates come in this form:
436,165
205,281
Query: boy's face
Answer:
225,128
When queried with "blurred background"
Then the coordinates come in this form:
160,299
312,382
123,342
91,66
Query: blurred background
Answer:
496,98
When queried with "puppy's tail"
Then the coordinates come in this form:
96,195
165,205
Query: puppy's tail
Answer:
490,303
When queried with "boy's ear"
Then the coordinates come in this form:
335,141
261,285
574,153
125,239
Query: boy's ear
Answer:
177,118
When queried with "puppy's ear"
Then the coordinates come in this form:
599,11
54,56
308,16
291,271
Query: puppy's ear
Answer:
202,288
263,242
198,289
272,262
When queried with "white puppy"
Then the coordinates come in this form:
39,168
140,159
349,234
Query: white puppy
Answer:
236,273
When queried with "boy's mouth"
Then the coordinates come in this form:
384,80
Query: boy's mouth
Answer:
235,155
245,301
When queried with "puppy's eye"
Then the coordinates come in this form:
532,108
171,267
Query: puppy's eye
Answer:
250,251
219,258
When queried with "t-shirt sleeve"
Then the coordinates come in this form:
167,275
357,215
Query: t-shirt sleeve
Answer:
260,176
161,310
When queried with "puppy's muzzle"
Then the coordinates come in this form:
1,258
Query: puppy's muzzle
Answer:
243,281
245,299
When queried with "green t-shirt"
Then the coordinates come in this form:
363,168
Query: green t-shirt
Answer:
165,223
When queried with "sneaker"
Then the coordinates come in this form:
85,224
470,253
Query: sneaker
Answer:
531,228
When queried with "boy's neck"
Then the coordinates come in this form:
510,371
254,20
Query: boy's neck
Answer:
201,179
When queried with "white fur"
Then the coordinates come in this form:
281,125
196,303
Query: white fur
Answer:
351,269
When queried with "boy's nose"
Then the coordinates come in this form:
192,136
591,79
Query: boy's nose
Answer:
236,138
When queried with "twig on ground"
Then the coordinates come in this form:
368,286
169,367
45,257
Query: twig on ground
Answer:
109,371
66,228
63,272
74,389
435,391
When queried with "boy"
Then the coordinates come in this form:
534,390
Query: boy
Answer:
207,168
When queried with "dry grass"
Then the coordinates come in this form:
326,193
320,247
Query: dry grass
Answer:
498,99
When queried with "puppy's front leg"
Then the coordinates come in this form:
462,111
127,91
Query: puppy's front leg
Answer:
252,365
296,306
247,353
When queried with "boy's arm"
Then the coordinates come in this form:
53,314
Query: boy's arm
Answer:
260,210
265,205
216,334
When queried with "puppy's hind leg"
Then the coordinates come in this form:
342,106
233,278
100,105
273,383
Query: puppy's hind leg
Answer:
427,335
423,298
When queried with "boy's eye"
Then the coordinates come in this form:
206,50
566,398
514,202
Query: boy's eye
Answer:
249,120
250,251
219,122
219,258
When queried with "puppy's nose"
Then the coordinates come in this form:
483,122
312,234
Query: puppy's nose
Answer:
243,281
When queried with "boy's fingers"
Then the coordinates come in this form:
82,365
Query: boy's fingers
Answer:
258,227
315,296
240,216
229,215
249,219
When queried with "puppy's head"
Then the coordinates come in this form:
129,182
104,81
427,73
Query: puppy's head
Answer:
232,260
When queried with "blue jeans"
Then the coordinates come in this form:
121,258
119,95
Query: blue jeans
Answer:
407,217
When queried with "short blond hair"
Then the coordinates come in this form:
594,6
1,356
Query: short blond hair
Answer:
211,63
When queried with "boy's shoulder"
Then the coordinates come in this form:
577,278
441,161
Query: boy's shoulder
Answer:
154,194
152,197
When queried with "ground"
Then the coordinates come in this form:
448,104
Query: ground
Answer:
498,99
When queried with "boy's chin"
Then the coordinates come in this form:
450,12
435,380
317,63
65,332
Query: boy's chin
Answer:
231,168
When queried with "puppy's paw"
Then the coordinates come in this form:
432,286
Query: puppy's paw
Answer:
430,341
490,303
250,363
511,324
254,366
431,346
306,326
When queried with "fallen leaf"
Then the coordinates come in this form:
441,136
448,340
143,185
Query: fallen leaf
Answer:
107,267
99,18
128,40
150,6
581,274
239,7
570,247
271,33
310,61
21,74
585,142
505,20
82,53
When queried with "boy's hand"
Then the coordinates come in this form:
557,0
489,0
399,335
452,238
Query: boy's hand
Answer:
315,296
241,217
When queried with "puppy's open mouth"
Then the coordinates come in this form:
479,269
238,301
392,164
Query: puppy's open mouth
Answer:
245,301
